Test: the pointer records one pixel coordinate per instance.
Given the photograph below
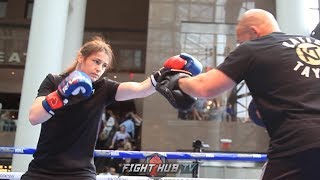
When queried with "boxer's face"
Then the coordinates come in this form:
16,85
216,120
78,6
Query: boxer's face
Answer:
94,65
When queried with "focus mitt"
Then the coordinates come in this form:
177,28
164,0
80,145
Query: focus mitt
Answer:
168,86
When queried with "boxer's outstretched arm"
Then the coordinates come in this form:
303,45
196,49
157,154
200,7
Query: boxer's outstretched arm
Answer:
133,90
207,85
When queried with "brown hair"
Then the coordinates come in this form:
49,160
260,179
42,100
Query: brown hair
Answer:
96,44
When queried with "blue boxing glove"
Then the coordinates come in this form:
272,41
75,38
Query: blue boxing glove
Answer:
77,82
185,62
192,65
255,115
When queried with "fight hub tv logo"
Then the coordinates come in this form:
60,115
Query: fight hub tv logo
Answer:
156,165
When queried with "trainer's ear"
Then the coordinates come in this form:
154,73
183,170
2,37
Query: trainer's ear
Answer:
254,31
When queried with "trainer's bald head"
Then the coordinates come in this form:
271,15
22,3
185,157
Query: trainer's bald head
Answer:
256,23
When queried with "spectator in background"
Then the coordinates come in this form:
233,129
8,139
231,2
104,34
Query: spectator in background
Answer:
124,144
183,115
0,108
199,111
108,171
127,146
102,134
121,134
229,112
137,119
129,124
108,124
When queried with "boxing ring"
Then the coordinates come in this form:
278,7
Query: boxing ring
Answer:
196,156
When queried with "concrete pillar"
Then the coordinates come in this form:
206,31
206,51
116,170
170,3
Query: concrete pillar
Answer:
291,15
44,55
74,31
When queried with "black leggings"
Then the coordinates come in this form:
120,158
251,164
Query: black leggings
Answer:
302,166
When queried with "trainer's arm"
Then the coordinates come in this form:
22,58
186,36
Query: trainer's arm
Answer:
207,85
37,113
133,90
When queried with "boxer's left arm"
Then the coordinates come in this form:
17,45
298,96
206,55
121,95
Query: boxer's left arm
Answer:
206,85
133,90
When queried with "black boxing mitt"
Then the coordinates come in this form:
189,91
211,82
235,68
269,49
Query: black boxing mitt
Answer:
168,86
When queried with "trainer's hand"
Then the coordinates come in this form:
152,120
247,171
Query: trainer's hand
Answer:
254,114
169,88
77,82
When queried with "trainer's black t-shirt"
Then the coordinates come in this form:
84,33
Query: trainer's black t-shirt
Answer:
282,73
67,140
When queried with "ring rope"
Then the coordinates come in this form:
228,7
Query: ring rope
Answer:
168,155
